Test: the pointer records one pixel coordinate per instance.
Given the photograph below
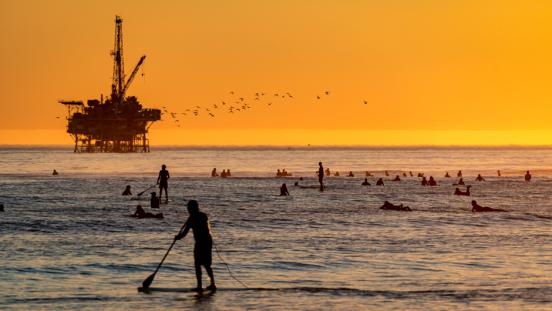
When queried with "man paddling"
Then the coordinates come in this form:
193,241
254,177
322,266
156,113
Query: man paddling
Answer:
163,182
198,222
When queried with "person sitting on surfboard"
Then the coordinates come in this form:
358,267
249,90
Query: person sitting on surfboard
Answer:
154,201
284,190
424,181
127,190
199,223
163,182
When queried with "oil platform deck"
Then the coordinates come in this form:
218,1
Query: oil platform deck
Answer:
118,124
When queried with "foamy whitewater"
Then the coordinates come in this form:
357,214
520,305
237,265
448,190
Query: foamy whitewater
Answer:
66,242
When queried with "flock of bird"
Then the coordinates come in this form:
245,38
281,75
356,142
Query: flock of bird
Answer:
238,104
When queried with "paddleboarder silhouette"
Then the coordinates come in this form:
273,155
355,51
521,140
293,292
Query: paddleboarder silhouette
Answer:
163,182
199,223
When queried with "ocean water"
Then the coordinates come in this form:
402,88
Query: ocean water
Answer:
66,242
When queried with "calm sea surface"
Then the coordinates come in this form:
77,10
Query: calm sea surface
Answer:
66,242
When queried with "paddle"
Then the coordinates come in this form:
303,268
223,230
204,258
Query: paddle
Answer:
147,282
140,194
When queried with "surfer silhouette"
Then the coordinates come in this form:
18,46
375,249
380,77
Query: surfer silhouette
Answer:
478,208
199,223
321,176
163,182
127,191
154,200
284,190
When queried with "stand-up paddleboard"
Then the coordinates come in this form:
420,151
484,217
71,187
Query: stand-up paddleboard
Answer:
173,290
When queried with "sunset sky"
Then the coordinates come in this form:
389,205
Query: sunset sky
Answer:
431,72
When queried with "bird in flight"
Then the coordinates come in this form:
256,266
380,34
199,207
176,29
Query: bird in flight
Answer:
366,102
327,92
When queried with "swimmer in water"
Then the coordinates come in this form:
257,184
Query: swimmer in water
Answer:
379,182
214,172
365,182
351,174
447,175
479,178
431,181
527,176
397,178
54,173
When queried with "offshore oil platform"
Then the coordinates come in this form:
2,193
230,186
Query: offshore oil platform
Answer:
117,124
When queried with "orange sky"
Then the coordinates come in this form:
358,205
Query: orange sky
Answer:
432,72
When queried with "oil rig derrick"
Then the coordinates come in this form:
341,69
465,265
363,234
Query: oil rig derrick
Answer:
117,124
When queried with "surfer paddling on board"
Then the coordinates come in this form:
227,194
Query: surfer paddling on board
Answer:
198,222
163,182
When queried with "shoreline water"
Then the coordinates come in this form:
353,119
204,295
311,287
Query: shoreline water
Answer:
69,245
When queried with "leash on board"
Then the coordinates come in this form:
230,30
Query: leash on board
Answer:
227,266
